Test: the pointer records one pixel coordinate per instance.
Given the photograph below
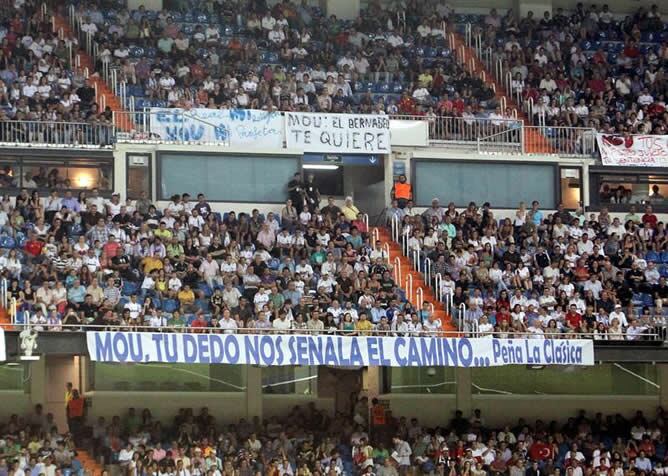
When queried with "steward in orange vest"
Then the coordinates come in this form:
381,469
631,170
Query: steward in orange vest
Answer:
402,192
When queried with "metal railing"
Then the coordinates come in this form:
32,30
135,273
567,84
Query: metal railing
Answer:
563,141
4,296
61,134
462,129
506,141
475,332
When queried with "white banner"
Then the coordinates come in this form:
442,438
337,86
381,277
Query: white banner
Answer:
339,351
634,150
338,133
238,127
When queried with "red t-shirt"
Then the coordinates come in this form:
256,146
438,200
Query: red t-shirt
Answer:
574,319
34,247
502,316
649,219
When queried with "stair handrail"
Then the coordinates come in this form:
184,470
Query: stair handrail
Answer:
427,270
416,259
475,329
404,242
394,225
461,309
397,270
375,236
12,311
438,281
509,83
3,293
419,297
386,252
409,287
467,35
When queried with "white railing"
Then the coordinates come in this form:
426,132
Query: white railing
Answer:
4,297
474,329
463,130
50,329
510,141
396,268
394,225
419,298
408,287
416,260
461,310
427,271
562,141
12,310
405,235
60,134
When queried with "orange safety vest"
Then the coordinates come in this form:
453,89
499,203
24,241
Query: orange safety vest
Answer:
378,413
402,190
75,407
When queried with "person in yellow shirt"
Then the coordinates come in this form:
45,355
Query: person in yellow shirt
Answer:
186,297
163,233
349,210
152,263
363,325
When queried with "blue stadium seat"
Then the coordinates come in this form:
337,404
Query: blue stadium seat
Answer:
170,305
653,256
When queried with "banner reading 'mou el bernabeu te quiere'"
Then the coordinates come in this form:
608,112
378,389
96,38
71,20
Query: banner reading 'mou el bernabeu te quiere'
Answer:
337,133
344,351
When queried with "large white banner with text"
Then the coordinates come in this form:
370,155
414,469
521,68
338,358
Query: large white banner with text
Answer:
633,150
341,351
338,133
236,127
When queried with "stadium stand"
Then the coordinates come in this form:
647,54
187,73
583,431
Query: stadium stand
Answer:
584,68
103,263
307,441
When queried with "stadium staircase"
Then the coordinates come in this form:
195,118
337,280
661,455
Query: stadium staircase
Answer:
5,319
89,463
534,142
397,258
84,65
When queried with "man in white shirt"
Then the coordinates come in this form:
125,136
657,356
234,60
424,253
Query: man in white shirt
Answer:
227,324
208,270
281,324
548,84
619,315
133,306
276,35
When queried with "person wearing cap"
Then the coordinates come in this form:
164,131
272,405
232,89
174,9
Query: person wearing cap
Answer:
618,314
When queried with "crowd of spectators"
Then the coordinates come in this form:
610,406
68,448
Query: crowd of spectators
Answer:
87,260
544,274
80,260
581,68
308,442
38,83
287,57
586,68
